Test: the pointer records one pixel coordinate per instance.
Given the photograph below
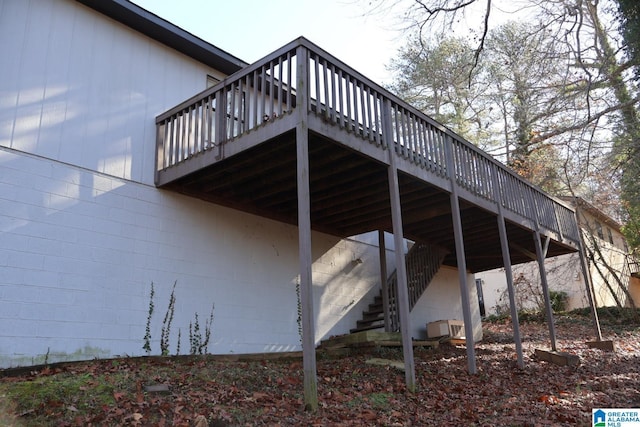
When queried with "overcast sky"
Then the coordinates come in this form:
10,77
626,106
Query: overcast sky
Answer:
251,29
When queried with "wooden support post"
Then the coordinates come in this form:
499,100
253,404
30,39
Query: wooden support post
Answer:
306,283
402,297
383,280
461,259
506,260
545,289
589,285
304,240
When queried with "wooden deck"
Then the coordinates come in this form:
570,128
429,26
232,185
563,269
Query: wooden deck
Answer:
235,145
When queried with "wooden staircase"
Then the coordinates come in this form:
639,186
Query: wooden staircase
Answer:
423,262
373,318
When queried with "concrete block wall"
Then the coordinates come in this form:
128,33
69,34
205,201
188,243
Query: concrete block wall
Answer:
79,251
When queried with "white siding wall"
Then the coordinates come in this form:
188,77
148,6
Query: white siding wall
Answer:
441,301
83,233
82,89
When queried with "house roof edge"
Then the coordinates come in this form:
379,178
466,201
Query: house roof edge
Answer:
163,31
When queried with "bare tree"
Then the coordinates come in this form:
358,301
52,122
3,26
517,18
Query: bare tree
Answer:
603,120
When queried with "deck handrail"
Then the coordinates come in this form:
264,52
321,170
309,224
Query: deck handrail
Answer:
266,91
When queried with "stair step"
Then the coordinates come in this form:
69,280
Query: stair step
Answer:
375,306
377,321
421,267
373,315
366,328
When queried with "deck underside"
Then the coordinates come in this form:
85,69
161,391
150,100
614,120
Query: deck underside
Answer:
350,195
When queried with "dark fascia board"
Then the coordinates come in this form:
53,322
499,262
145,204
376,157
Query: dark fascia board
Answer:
163,31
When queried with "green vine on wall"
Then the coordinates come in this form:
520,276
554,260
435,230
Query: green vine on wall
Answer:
147,336
165,332
199,343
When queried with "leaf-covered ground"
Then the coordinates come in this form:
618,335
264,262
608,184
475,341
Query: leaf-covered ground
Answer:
208,392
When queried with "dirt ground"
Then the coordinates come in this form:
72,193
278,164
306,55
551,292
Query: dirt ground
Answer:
204,391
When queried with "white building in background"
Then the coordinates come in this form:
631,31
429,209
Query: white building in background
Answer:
85,233
613,270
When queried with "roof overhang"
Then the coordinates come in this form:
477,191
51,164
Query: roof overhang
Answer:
163,31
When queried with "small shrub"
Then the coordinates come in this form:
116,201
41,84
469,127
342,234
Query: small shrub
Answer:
559,300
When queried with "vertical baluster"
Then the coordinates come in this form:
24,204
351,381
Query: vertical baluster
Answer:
425,143
416,139
411,131
482,176
442,142
184,143
438,150
503,181
166,146
456,173
325,80
406,140
499,189
378,119
205,124
429,153
198,136
264,115
237,110
507,196
280,83
417,144
408,137
370,125
348,90
419,141
525,191
363,110
518,196
465,169
464,164
190,142
356,121
290,83
317,80
341,83
486,180
471,167
211,120
255,102
231,102
178,143
246,101
241,105
468,166
272,90
397,133
334,102
172,141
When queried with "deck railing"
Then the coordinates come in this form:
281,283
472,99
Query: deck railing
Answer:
268,90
